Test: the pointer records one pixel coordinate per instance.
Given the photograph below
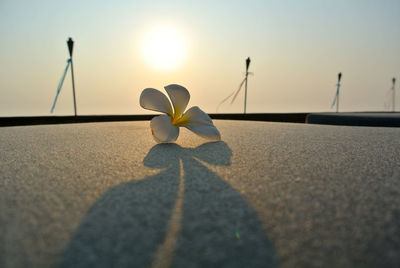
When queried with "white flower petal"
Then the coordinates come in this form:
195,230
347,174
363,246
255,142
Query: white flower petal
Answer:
179,97
162,129
196,116
155,100
200,123
209,132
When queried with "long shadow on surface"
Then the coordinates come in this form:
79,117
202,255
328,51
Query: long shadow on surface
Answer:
126,226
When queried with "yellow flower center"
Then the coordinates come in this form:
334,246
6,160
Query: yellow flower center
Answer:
180,120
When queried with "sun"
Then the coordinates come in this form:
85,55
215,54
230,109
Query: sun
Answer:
164,48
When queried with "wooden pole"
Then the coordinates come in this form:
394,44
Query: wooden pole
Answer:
338,92
245,85
70,48
245,93
394,95
73,86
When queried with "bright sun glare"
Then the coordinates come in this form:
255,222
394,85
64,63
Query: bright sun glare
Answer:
164,48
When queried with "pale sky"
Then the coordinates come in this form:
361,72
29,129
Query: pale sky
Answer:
297,49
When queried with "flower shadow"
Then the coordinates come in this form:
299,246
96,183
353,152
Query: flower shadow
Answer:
127,225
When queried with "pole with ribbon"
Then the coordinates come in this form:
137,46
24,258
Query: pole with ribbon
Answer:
236,92
245,85
336,99
70,48
69,63
393,95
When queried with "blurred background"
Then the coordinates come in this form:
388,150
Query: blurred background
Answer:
297,48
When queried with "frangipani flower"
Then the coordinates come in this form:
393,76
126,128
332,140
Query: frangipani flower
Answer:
165,128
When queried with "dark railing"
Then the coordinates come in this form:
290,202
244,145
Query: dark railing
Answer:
49,120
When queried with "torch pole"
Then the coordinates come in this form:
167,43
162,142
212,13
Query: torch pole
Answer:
394,95
245,85
338,91
70,44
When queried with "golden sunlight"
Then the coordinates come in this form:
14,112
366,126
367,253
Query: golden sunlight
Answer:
164,48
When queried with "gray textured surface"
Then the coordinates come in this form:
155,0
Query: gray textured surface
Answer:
103,194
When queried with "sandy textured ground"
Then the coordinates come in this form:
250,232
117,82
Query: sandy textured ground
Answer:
269,195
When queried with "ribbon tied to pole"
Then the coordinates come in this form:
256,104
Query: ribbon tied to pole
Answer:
60,84
235,92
